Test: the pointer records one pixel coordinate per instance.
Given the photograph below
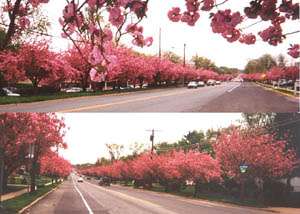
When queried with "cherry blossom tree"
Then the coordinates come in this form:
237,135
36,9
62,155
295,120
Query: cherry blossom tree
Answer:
18,16
20,131
35,62
266,157
54,166
233,25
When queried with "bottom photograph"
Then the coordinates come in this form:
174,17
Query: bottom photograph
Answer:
149,163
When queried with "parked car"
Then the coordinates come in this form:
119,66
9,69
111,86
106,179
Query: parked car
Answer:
80,180
218,82
211,82
201,84
104,181
282,83
192,84
9,92
73,90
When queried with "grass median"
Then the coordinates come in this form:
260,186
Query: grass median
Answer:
4,100
16,204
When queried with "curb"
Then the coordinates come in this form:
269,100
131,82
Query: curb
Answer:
36,200
271,88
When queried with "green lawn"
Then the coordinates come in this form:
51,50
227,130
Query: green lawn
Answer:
189,192
16,204
60,95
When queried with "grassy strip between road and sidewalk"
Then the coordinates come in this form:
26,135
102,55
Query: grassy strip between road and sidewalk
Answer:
4,100
189,193
283,91
16,204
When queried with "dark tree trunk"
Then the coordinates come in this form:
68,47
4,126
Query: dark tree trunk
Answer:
12,26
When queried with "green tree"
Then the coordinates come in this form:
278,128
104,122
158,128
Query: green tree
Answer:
204,63
172,57
114,150
262,64
281,61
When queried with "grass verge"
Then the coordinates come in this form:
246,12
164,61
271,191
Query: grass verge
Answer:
14,205
62,95
281,90
189,193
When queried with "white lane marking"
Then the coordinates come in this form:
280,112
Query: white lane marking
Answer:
135,200
235,87
83,199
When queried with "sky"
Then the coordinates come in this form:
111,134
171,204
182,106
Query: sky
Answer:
88,133
199,39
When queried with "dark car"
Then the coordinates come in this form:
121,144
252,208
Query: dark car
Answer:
104,181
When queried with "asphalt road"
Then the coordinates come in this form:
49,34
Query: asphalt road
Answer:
87,197
227,97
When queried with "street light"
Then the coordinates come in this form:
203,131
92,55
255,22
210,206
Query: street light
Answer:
243,168
31,151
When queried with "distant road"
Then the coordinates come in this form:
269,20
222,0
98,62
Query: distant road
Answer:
87,197
227,97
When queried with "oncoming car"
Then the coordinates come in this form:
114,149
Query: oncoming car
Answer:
192,84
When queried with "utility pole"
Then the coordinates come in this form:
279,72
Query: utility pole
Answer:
184,48
159,45
152,138
1,174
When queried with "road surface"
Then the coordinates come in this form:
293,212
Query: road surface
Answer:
227,97
87,197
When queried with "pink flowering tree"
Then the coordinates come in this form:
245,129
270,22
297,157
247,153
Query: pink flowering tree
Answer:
20,131
233,25
265,157
18,15
54,166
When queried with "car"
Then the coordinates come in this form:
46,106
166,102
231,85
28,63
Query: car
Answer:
192,84
73,90
282,83
80,180
104,181
211,82
8,92
218,82
88,178
201,84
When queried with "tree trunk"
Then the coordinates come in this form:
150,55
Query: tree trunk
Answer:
33,173
12,26
197,187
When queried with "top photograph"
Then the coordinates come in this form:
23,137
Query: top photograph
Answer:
149,56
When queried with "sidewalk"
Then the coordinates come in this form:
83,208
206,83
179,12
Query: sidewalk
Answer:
14,194
285,210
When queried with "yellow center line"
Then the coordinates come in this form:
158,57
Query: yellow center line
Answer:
85,108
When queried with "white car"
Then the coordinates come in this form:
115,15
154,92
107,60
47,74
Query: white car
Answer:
80,180
192,84
8,92
201,84
211,82
218,82
73,90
